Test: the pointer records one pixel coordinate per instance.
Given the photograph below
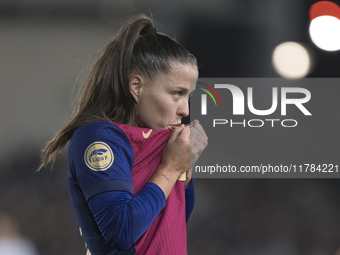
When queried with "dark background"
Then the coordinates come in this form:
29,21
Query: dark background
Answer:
46,48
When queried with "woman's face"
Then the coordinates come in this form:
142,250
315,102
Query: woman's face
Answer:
163,101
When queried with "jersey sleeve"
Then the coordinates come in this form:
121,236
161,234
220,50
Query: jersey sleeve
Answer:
101,159
189,200
123,218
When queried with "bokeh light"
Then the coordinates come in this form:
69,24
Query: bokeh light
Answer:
323,8
291,60
325,32
324,28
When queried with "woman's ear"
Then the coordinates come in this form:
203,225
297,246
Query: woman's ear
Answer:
135,84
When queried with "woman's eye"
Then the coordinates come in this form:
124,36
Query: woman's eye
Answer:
178,94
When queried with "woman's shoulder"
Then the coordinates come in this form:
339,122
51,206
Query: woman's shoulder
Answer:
96,127
98,130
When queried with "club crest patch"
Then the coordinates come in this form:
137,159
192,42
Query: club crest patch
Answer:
98,156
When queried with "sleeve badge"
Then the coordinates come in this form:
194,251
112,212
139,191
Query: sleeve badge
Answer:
98,156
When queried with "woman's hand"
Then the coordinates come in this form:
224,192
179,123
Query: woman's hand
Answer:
175,160
176,154
198,142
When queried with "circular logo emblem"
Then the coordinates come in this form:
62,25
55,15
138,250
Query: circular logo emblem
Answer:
98,156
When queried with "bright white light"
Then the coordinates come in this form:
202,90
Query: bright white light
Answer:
325,32
291,60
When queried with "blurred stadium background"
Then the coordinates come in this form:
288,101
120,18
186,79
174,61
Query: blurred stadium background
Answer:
46,48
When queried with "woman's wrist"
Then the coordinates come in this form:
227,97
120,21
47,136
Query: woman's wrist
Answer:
165,177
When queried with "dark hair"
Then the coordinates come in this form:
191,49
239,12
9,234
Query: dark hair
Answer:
106,96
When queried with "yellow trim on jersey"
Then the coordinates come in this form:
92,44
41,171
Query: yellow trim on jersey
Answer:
146,135
183,177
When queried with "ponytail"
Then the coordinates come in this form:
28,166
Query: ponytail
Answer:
106,96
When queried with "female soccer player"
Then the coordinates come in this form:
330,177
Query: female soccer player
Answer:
130,173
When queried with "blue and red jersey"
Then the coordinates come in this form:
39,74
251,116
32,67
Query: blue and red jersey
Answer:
119,211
